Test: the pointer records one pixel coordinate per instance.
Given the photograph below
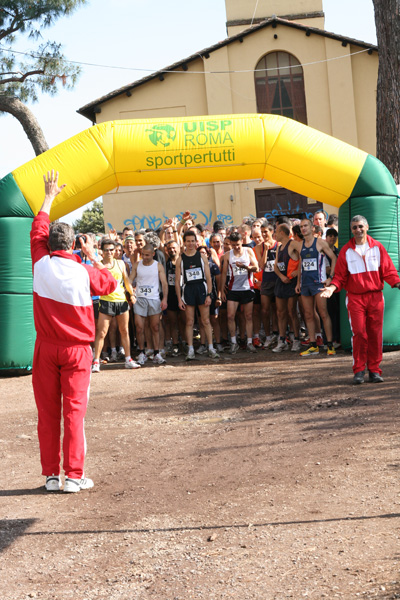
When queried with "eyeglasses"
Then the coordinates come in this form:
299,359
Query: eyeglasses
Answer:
358,227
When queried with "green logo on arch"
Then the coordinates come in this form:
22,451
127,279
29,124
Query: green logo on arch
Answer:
162,135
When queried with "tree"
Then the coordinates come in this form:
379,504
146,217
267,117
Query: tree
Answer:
92,219
23,75
387,21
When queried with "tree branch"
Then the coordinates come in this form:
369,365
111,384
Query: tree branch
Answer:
22,78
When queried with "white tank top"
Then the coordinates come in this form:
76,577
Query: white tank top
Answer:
240,279
147,281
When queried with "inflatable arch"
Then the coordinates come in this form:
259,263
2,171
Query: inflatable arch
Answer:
186,150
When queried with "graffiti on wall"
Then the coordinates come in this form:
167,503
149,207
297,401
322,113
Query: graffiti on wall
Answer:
137,222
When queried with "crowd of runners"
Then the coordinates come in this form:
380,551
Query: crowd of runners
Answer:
186,290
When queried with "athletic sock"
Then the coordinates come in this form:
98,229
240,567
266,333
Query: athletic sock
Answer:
127,358
233,339
191,348
249,341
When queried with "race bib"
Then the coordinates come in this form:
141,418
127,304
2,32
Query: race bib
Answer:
269,266
195,274
309,264
145,290
238,270
281,267
171,278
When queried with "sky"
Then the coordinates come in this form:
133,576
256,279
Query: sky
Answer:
134,39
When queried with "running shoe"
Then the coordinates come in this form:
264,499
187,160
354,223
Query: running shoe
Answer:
150,353
242,344
114,356
311,351
296,346
270,340
281,346
158,359
305,341
175,351
234,348
76,485
331,351
104,357
142,358
219,347
131,364
336,345
251,348
53,483
121,354
257,342
96,366
319,341
375,377
201,349
190,355
212,353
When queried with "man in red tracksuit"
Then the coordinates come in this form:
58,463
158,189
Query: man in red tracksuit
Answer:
62,305
362,268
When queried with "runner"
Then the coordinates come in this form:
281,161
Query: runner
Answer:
148,274
193,270
311,284
285,288
240,264
173,312
114,305
266,255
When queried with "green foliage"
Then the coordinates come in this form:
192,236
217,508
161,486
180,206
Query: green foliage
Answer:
43,67
92,219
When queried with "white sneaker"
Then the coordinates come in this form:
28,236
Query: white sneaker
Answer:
219,347
212,353
142,358
131,364
158,359
121,354
114,356
190,355
96,367
201,349
53,483
76,485
296,346
251,348
270,341
281,346
233,348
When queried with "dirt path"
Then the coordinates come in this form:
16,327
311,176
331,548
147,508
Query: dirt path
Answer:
266,477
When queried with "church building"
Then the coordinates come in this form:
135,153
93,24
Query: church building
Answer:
280,60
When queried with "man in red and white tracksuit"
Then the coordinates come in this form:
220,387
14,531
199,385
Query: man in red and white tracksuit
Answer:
62,304
362,268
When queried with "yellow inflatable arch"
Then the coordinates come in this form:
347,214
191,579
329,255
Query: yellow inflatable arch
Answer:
165,151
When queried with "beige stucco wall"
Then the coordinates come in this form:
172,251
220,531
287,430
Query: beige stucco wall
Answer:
340,97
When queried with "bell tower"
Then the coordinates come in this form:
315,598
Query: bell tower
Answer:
241,14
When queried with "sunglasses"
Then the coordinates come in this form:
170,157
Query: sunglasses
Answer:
358,227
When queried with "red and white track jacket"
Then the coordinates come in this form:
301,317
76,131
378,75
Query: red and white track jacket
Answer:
359,274
62,290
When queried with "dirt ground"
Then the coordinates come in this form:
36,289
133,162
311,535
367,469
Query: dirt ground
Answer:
252,477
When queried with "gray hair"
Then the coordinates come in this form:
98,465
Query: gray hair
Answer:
61,236
359,219
152,238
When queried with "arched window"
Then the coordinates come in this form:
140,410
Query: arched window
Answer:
280,86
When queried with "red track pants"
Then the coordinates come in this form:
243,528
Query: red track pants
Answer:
60,371
366,322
